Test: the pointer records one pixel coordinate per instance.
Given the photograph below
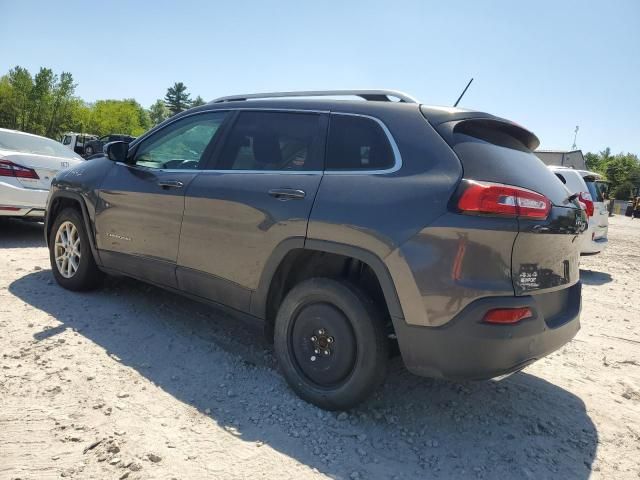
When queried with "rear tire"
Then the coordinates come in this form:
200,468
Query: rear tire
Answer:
330,343
72,262
88,151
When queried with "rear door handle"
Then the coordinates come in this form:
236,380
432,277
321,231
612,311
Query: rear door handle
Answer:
170,184
287,193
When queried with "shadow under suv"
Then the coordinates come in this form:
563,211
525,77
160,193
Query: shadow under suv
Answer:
346,225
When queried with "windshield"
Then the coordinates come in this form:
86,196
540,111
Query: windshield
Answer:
19,142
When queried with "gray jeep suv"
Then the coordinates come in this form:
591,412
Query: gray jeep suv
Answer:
352,228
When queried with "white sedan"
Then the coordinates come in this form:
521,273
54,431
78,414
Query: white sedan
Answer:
28,163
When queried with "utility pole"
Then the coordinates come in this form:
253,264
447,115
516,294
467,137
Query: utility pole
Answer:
575,136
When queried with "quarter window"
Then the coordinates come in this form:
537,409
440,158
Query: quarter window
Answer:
357,143
274,141
181,145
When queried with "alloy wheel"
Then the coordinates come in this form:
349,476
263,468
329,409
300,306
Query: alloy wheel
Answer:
67,249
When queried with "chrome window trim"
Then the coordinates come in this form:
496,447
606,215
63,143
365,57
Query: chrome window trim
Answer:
394,147
197,171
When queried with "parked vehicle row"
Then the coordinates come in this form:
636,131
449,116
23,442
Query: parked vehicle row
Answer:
87,145
351,228
77,141
589,188
96,146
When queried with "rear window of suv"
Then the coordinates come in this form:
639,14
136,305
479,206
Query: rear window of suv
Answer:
357,143
494,151
596,193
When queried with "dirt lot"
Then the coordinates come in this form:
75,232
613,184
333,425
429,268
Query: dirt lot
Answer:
134,382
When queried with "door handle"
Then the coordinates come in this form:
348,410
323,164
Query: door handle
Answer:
170,184
287,193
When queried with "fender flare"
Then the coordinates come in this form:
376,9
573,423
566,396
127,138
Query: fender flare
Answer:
260,295
85,216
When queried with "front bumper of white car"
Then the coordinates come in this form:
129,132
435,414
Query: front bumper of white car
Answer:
17,201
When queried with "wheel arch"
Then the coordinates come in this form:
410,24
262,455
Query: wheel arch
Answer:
63,199
260,299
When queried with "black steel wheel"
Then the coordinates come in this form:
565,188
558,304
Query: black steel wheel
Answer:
330,343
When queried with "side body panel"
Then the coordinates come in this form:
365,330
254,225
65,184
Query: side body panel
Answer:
456,260
379,213
231,227
138,221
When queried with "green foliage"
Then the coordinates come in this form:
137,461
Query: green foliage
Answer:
177,99
622,171
158,112
117,116
45,104
198,101
39,104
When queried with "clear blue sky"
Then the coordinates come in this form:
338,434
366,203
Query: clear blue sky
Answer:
549,65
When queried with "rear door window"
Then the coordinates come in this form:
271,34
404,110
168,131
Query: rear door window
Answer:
274,141
357,143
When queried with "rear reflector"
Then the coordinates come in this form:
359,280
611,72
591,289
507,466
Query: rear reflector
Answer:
497,199
9,209
10,169
507,315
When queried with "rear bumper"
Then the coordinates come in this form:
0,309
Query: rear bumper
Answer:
17,201
17,211
595,241
468,349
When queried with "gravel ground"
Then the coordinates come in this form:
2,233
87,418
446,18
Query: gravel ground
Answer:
133,382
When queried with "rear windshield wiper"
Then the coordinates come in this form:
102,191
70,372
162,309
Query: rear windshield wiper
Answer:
571,198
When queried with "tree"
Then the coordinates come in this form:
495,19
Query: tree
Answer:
198,101
118,116
158,112
622,171
40,100
177,99
62,95
8,104
21,84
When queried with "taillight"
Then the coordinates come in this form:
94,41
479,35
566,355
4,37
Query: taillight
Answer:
10,169
497,199
505,316
587,200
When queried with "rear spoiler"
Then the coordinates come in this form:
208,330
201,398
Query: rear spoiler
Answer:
448,121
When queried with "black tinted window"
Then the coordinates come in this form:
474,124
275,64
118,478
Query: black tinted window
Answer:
273,141
494,152
357,143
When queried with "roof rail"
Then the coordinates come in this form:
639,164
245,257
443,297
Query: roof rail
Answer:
370,95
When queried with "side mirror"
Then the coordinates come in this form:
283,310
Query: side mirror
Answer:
116,151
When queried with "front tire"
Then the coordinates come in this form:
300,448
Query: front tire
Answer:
72,262
330,343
